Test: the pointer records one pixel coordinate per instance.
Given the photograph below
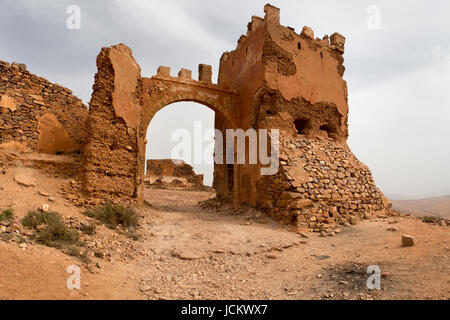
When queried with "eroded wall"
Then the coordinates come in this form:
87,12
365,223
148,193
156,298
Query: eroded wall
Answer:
44,116
110,167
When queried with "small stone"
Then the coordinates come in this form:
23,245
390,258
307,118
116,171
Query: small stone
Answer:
23,246
25,178
146,288
272,256
304,235
44,194
407,241
45,208
386,275
185,254
392,229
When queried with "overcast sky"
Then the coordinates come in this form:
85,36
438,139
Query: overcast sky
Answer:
398,75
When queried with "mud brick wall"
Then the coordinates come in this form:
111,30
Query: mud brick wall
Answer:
110,168
43,115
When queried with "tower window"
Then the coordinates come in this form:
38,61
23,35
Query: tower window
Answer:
301,125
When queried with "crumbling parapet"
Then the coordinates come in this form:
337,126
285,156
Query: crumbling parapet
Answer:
205,73
272,14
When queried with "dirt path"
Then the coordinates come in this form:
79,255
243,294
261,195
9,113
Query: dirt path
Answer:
192,253
235,256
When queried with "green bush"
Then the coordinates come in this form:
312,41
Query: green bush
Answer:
429,219
7,214
114,215
50,229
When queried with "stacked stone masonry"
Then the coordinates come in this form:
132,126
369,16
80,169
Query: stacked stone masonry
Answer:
40,114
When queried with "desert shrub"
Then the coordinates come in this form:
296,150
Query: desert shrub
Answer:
7,214
429,219
50,229
75,252
88,229
114,215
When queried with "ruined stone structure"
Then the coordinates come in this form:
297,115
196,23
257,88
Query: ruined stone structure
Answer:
170,173
274,79
42,115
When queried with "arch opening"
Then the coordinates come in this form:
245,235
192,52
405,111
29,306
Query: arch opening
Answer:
180,148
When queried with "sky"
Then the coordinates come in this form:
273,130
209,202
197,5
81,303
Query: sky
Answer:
397,59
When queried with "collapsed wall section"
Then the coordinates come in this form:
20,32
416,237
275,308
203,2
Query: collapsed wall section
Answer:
110,161
44,116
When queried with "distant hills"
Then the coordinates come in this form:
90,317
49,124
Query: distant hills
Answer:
430,207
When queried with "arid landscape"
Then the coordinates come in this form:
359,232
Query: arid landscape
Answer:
431,207
188,251
87,212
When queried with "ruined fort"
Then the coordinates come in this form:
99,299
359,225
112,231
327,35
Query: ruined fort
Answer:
173,174
276,78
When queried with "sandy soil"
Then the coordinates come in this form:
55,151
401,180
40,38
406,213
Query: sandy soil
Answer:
187,252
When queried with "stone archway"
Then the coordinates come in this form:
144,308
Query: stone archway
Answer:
163,90
123,105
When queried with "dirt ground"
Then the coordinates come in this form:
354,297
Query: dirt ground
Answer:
188,252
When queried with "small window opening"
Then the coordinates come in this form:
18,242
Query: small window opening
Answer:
299,46
321,55
301,125
325,128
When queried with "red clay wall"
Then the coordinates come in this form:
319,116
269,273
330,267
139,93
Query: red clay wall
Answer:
110,166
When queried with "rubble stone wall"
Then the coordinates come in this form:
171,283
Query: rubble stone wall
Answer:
170,173
44,116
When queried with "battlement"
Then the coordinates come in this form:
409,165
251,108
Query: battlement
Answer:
272,14
272,17
185,75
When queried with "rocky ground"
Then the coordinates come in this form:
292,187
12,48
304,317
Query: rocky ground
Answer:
185,251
